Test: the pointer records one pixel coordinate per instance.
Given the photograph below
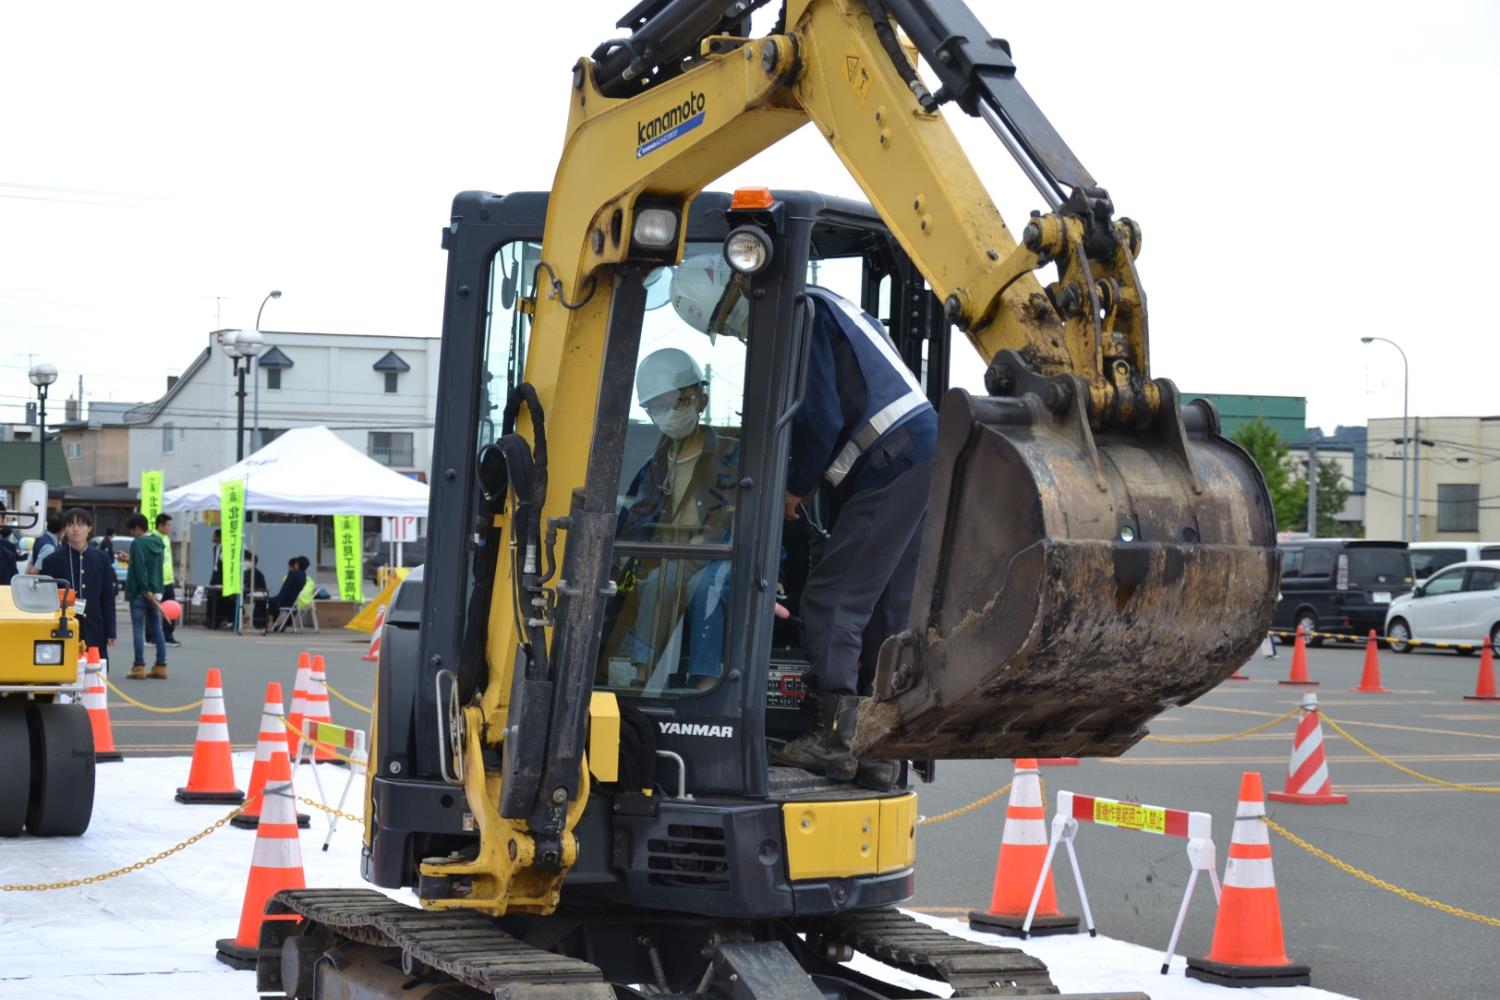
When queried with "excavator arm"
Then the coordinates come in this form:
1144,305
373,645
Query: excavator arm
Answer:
1093,552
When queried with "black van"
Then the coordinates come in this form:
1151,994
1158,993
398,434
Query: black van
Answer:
1340,585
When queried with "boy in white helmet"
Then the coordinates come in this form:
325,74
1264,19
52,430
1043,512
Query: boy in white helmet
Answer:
866,430
684,494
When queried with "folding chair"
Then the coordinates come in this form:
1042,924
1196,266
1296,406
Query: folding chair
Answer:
294,615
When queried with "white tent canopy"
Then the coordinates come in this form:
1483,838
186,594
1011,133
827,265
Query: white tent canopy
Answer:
309,470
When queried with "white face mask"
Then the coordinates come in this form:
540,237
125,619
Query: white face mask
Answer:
677,424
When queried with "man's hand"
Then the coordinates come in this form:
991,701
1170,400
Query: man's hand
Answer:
111,640
793,501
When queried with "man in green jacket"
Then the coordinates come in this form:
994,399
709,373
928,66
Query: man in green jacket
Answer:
143,588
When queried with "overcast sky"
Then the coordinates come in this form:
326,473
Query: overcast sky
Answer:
1304,174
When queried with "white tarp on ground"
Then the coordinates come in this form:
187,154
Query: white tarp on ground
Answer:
309,470
150,935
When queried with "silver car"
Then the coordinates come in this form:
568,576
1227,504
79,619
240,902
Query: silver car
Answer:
1458,603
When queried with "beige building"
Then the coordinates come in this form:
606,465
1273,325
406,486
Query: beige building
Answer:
1458,468
98,448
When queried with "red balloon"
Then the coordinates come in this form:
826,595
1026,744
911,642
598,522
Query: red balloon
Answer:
172,610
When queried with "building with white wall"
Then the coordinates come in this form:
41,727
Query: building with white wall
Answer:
1457,464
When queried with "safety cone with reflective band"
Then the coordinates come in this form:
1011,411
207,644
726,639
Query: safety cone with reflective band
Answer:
1248,948
1023,849
96,702
1307,781
211,777
315,700
1484,684
372,655
272,738
275,865
299,701
1298,673
1369,681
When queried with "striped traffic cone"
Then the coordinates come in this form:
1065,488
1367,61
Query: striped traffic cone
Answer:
315,699
1369,680
1484,684
1307,781
96,702
275,865
1248,948
372,655
1023,849
299,696
1299,675
272,738
211,777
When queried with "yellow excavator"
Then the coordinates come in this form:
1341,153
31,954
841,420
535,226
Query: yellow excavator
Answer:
583,809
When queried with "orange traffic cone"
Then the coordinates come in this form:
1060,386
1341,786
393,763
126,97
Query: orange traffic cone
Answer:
1307,781
1369,681
211,777
272,738
1299,664
316,702
372,655
1248,949
96,702
1484,684
299,695
275,865
1023,848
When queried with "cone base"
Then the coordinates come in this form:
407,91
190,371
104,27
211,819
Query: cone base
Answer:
304,822
1300,684
227,796
108,757
1482,697
1223,974
236,956
1373,690
1331,799
1010,926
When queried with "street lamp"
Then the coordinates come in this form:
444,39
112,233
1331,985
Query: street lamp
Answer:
241,346
1408,510
42,375
275,293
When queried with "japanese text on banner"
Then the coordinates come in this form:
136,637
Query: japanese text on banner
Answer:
232,524
349,548
151,480
1130,816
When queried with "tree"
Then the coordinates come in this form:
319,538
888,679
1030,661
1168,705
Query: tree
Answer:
1333,494
1288,490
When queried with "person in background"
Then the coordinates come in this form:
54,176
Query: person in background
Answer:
220,614
291,587
90,574
107,543
46,543
168,578
143,594
10,556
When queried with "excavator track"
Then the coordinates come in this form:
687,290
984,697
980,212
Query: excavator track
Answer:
975,970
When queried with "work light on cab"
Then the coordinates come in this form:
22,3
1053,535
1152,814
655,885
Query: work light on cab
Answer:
747,249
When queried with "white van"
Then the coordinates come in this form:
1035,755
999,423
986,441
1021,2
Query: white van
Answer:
1429,557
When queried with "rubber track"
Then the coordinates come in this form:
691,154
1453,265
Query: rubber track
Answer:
470,947
973,969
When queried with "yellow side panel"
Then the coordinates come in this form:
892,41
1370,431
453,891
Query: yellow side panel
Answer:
604,736
844,839
19,633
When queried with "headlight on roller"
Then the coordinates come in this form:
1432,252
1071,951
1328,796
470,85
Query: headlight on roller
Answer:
747,249
655,228
47,654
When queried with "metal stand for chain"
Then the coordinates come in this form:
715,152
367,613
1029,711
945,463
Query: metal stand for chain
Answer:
1064,829
354,742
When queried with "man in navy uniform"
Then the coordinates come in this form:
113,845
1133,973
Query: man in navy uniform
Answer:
90,574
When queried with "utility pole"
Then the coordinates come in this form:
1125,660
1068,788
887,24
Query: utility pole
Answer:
1416,476
1312,488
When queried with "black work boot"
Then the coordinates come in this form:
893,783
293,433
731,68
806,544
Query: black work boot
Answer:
826,748
877,775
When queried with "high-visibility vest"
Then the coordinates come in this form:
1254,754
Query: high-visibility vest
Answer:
166,560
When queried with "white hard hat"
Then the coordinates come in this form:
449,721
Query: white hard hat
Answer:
703,296
664,371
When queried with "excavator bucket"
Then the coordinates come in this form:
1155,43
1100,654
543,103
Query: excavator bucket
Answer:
1072,584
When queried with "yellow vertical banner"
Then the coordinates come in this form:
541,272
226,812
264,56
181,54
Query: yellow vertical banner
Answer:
232,525
151,495
348,545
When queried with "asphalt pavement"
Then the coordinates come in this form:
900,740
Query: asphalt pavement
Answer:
1359,940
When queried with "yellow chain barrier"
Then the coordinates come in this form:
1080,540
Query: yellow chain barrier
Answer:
1402,767
74,883
1383,640
345,698
150,708
330,809
1199,740
961,810
302,738
1378,883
